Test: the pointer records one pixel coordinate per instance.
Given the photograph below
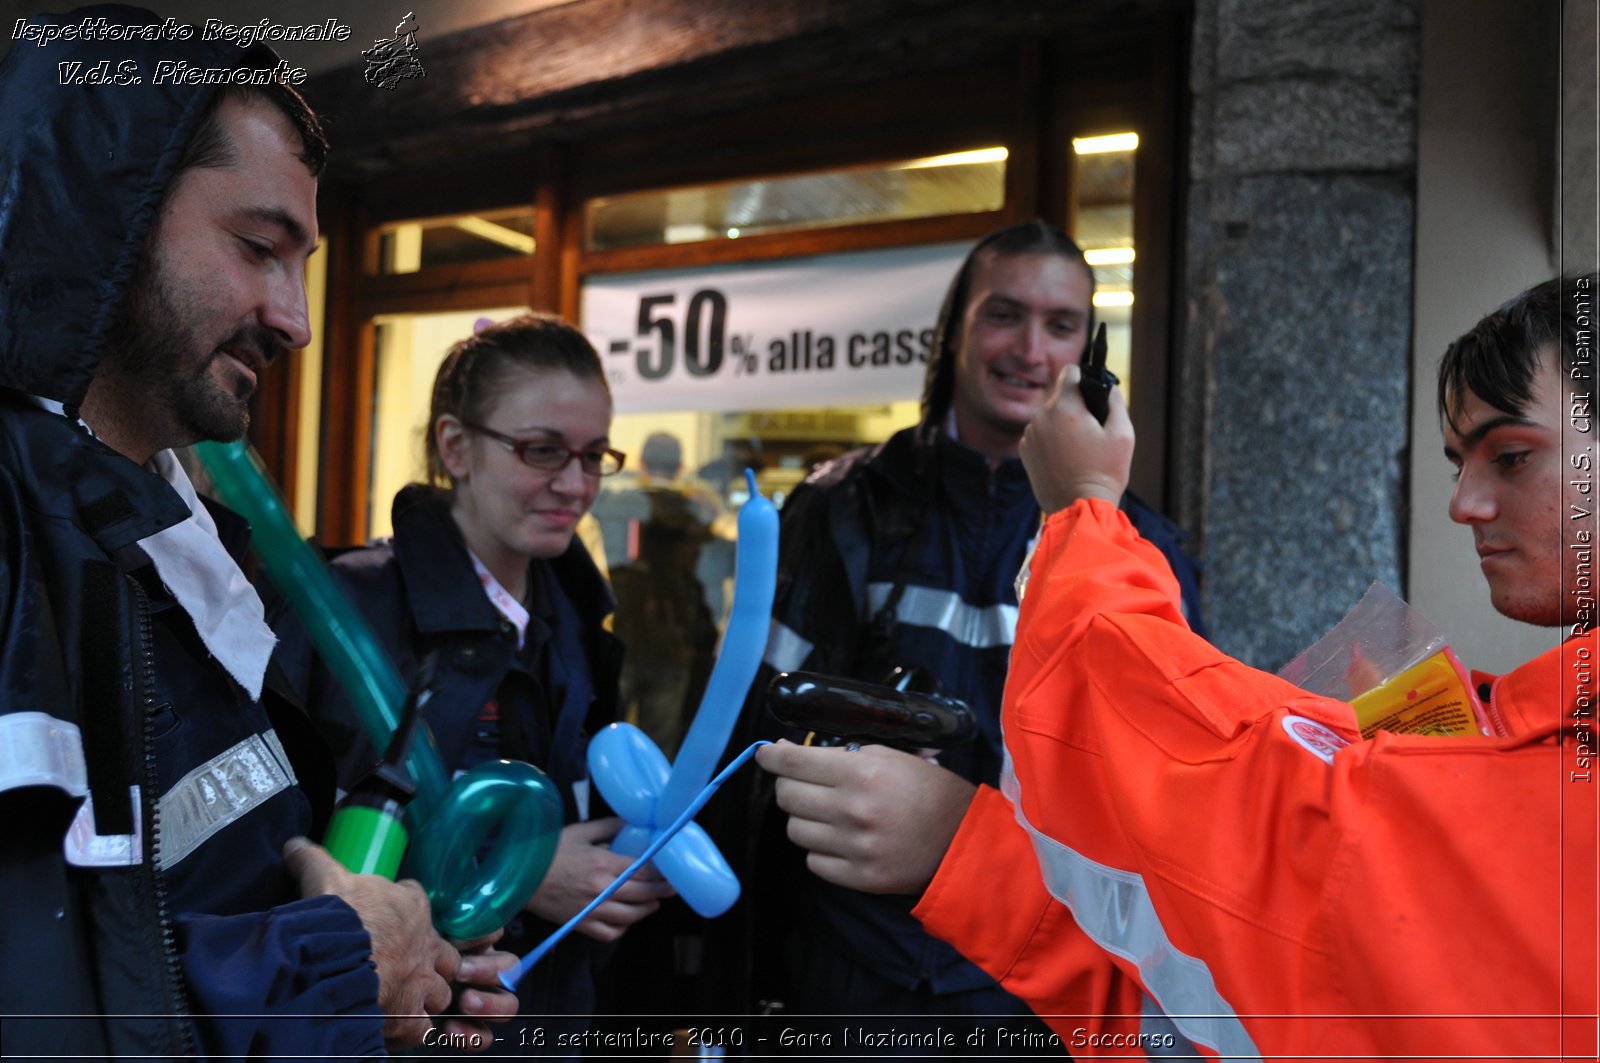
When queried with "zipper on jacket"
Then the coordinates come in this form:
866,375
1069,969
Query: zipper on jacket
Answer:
1496,721
152,809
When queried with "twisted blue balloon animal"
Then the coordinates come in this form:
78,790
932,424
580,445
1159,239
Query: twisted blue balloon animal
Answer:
632,772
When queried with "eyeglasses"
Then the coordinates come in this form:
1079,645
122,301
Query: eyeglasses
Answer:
553,457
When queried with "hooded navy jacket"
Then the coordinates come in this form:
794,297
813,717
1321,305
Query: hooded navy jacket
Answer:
130,927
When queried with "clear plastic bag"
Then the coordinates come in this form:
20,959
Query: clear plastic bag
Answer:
1394,667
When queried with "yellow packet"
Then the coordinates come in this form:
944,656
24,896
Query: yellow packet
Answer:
1434,697
1394,668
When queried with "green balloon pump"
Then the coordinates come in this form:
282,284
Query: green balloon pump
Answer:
480,844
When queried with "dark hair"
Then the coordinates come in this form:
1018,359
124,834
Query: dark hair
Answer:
1034,237
1498,358
211,148
662,454
471,374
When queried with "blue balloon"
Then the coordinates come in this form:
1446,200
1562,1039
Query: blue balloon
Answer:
631,771
697,869
754,584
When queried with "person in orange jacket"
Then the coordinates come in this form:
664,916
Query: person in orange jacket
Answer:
1225,842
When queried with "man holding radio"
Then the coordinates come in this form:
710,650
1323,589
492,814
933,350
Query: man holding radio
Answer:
925,534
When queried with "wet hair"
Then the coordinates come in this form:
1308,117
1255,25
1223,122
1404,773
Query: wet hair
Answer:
210,148
1498,358
472,374
1034,237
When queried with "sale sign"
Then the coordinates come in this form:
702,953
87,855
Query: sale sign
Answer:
831,330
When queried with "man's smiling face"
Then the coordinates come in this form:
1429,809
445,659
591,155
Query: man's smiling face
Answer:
223,291
1026,317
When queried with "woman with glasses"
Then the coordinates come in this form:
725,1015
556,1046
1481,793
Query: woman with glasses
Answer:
485,576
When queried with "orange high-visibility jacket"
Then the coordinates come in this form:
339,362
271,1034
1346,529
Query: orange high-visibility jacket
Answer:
1280,887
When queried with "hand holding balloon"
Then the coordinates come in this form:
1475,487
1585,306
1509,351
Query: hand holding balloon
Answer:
583,866
659,801
661,839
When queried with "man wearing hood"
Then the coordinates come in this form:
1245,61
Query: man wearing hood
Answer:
927,532
155,886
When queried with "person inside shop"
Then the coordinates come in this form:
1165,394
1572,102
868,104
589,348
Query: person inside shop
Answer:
905,555
1229,843
662,615
158,896
484,575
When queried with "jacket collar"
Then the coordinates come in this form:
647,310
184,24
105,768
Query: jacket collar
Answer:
1537,699
433,557
925,459
70,475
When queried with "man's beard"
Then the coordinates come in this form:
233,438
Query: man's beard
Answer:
156,346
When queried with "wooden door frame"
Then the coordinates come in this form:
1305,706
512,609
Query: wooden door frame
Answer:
1024,101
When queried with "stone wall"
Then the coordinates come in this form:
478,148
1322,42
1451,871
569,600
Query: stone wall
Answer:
1486,182
1579,239
1294,375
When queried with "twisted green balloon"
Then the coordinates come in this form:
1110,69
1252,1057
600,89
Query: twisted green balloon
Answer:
450,822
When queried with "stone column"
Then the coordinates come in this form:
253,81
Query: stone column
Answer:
1292,390
1578,240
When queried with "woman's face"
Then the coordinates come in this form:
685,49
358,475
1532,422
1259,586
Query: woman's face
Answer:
509,509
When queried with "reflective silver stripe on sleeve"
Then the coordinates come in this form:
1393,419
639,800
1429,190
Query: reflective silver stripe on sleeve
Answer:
36,749
786,649
977,626
1115,910
84,848
219,792
275,746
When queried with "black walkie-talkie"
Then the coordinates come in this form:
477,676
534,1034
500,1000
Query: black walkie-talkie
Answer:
1097,381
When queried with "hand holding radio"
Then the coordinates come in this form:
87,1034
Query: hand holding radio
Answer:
875,819
1072,450
1097,382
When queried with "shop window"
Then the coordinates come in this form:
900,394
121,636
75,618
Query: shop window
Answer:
968,182
409,348
424,243
308,447
1103,227
669,525
709,451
